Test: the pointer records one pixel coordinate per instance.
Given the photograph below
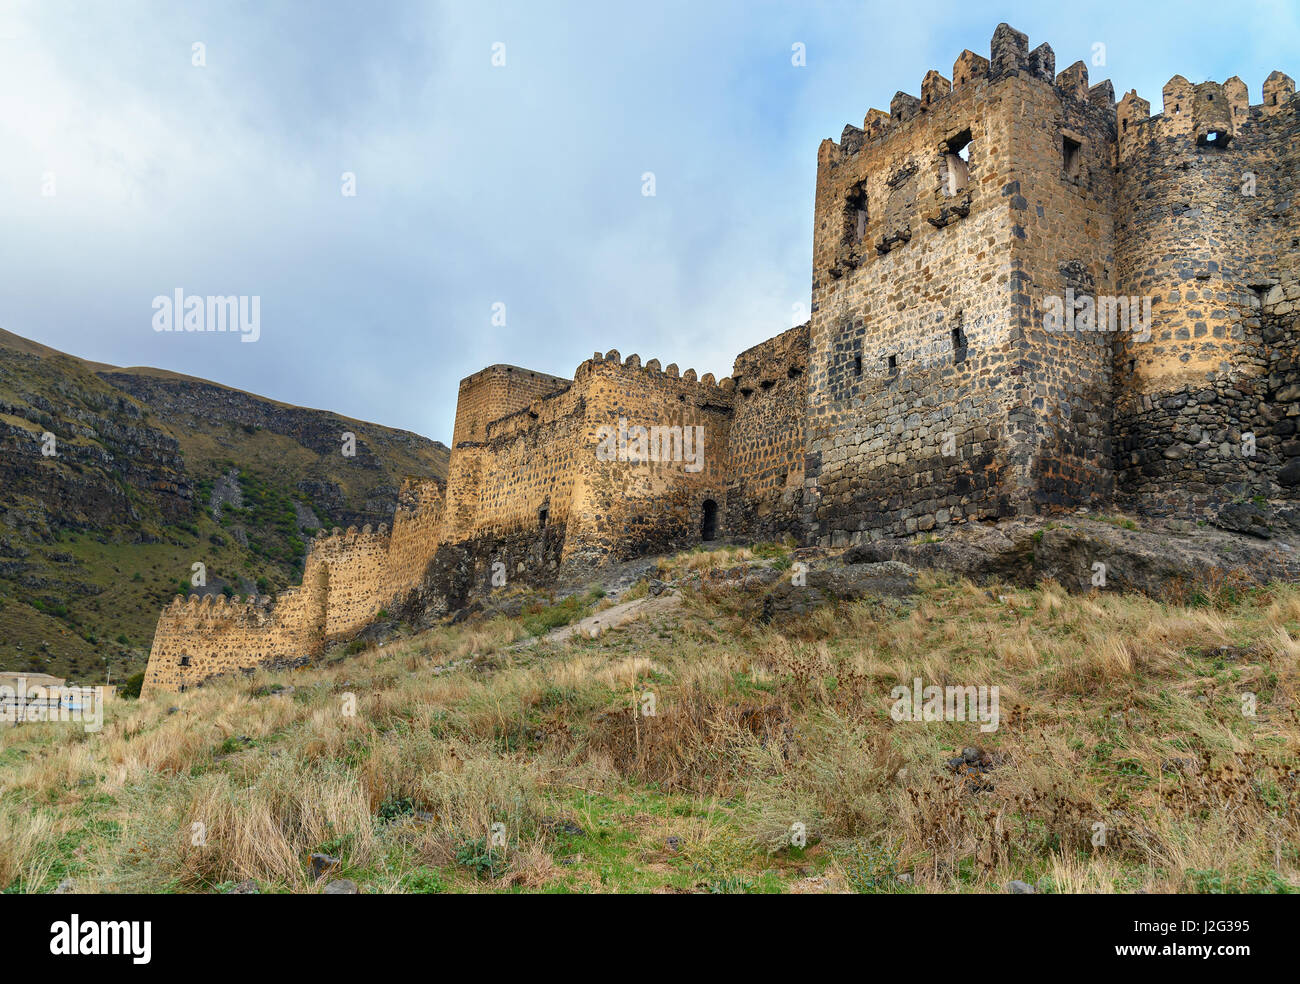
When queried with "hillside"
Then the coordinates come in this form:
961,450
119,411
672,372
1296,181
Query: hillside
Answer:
682,748
154,472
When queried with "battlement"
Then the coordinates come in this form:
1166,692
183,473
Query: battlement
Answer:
1208,114
1009,56
611,360
339,541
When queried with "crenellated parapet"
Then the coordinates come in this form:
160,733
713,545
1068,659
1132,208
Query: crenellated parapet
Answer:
612,363
348,577
1206,114
1009,57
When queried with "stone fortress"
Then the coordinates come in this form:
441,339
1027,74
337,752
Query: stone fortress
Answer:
930,386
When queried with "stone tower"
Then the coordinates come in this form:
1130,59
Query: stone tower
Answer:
983,259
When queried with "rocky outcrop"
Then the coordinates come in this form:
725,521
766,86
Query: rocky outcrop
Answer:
1155,560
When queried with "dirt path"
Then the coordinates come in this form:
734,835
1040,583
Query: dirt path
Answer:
601,622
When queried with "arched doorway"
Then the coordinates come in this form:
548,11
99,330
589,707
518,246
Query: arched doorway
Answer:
709,521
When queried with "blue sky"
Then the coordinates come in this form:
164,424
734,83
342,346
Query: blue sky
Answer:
518,184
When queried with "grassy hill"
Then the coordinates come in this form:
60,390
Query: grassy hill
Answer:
1123,759
154,472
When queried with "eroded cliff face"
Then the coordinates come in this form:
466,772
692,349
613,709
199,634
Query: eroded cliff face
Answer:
115,483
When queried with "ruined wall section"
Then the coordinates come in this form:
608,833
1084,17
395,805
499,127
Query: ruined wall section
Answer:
349,577
198,639
417,532
357,562
1208,228
623,508
765,450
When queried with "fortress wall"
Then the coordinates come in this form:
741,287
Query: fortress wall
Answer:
1220,265
921,443
357,563
198,639
541,411
765,450
1062,203
417,532
523,474
464,485
496,392
623,508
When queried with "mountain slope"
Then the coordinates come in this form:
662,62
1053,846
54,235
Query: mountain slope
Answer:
148,473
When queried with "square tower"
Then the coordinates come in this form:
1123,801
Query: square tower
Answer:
942,230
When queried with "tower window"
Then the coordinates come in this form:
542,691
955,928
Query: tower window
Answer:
857,365
1071,157
956,163
892,362
855,213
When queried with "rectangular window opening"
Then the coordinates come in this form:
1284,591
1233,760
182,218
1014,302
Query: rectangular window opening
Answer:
958,344
1071,157
855,213
956,163
892,362
857,365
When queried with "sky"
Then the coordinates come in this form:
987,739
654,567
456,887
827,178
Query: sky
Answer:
499,155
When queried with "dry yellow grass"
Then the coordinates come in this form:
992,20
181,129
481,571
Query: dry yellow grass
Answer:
1119,715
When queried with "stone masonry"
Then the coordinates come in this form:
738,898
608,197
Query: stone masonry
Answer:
1027,298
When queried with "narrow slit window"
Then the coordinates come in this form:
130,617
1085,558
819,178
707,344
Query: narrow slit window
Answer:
857,365
856,213
892,363
958,344
1071,157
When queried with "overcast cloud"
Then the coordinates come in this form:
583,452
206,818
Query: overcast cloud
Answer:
476,184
